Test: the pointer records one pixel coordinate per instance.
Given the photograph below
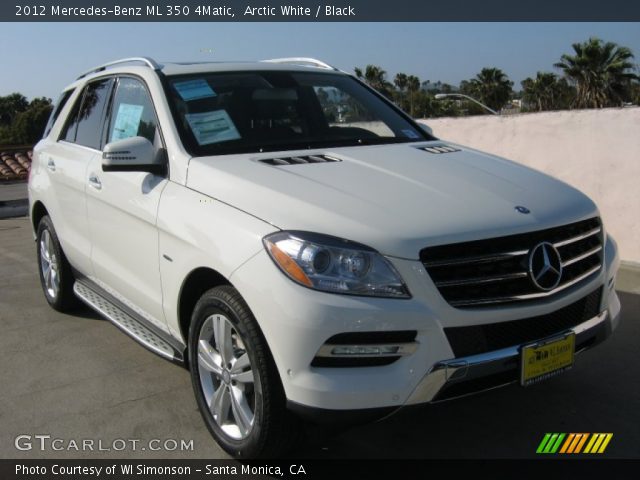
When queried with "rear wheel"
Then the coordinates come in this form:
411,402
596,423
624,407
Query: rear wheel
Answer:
235,380
56,276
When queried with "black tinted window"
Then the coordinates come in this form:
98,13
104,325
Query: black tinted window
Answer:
90,117
55,113
69,131
132,113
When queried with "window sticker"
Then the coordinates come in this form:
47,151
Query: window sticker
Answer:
127,122
194,89
212,127
410,133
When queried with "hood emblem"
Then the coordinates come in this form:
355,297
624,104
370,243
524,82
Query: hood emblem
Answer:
545,266
521,209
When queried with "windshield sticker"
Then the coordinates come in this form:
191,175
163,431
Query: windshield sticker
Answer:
127,122
410,133
194,89
212,127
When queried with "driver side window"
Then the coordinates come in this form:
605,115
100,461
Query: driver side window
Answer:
132,112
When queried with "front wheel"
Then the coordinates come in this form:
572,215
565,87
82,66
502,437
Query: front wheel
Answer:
235,380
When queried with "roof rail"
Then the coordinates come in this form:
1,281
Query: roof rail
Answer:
151,63
303,61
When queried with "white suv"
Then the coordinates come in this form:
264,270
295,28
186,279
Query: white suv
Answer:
307,249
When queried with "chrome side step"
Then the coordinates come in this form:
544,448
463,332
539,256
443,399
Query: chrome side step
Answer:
126,322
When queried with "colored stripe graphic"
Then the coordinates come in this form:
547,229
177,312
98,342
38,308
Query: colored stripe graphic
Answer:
573,443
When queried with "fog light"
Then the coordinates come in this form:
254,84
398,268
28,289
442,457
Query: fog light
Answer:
365,350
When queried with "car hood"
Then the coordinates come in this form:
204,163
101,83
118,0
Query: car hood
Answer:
396,198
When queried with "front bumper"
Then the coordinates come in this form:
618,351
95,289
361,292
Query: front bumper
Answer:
297,322
468,375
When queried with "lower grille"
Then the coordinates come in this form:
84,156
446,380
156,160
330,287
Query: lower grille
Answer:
508,270
477,339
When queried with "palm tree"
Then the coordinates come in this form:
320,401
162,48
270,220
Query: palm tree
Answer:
546,92
601,72
376,78
491,86
413,85
400,81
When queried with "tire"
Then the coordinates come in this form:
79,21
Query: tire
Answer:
56,276
233,370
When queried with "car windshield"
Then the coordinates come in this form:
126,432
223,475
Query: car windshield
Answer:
240,112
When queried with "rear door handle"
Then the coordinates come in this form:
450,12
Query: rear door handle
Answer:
51,165
95,182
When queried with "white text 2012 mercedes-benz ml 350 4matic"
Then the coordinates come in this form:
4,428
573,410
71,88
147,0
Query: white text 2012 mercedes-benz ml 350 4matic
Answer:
308,250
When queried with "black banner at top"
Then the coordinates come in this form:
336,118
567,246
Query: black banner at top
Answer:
318,10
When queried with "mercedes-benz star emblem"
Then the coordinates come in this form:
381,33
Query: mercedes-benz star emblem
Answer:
545,266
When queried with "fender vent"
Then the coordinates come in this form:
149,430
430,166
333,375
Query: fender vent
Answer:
439,149
299,160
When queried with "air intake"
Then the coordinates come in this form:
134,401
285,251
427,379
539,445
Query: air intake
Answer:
439,149
299,160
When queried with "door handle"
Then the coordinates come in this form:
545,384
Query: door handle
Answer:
95,182
51,165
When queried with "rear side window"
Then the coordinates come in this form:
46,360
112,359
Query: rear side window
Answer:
132,113
55,113
91,113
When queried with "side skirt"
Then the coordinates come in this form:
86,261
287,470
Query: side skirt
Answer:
129,322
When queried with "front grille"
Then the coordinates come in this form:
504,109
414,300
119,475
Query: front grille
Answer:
477,339
496,271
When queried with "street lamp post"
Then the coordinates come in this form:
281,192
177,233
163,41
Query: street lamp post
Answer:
440,96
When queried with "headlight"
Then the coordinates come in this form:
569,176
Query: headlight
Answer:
334,265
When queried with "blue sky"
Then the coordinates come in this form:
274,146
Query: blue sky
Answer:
40,59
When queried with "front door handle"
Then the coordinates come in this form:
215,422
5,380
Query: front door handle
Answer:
95,182
51,165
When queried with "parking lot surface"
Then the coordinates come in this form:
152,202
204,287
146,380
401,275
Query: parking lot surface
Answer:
77,377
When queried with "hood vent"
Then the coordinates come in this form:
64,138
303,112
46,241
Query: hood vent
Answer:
299,160
439,149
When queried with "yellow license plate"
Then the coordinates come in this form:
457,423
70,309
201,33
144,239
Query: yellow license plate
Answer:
545,359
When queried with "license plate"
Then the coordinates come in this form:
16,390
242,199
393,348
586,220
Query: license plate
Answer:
545,359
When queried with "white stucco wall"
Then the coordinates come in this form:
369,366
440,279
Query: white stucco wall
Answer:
597,151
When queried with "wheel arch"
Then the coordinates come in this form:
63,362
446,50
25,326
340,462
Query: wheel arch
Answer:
193,287
37,212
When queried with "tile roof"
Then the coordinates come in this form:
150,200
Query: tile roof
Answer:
15,165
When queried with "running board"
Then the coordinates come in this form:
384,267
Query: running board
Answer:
125,322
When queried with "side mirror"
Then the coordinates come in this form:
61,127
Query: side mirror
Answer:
426,128
135,154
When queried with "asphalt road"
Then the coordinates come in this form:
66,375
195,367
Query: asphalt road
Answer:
76,377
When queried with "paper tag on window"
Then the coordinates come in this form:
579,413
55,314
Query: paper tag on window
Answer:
410,133
194,89
212,127
127,122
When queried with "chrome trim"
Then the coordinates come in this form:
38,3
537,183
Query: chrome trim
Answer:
124,321
302,62
527,296
476,259
150,62
404,349
582,256
590,233
476,280
477,366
